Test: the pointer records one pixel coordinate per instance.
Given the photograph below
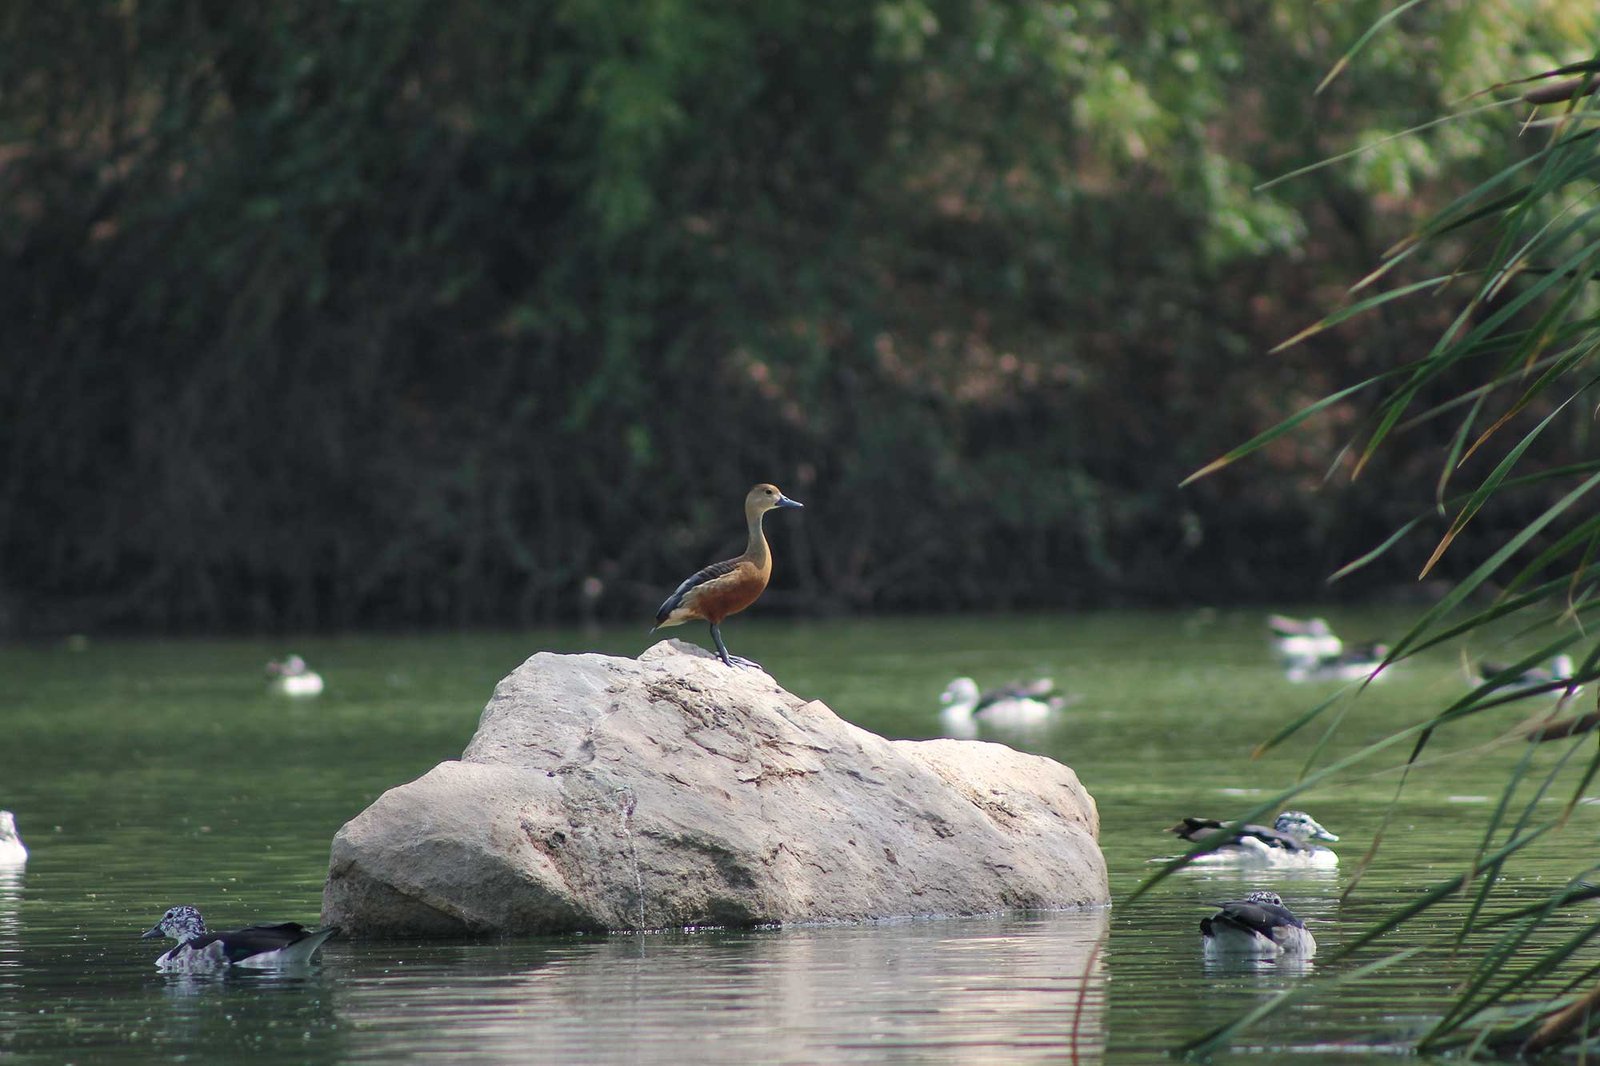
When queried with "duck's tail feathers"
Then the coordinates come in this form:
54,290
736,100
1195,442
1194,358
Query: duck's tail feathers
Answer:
301,951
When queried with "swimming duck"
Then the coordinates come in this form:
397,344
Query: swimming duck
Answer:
1535,677
293,677
12,852
1258,925
1287,843
728,587
1358,664
259,947
1013,705
1298,639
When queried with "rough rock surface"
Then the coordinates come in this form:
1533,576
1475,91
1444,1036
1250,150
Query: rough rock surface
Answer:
608,793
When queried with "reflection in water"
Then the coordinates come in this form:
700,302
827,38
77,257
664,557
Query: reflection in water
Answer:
1281,964
10,950
1009,989
1259,876
243,1009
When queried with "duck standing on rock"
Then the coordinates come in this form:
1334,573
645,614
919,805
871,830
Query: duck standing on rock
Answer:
1258,925
728,587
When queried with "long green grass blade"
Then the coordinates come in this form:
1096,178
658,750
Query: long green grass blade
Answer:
1361,42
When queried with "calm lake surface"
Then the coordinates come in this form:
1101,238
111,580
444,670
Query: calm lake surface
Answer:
145,774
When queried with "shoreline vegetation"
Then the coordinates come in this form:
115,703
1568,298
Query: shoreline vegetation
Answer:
325,317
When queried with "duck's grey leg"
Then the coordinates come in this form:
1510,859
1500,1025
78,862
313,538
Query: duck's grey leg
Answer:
722,650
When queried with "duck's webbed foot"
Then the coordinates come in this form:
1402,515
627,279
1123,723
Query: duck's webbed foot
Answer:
722,652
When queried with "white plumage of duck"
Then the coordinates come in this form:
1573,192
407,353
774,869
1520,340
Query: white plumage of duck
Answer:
1258,926
1361,663
1303,639
12,851
293,677
1288,843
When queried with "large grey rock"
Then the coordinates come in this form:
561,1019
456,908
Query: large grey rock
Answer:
608,793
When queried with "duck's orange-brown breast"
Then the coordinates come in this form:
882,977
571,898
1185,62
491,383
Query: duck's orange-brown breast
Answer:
731,593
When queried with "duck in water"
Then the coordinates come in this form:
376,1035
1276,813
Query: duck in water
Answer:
12,851
1015,705
255,947
293,677
1258,925
728,587
1287,843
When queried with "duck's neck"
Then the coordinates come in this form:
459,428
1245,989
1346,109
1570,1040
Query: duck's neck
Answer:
756,549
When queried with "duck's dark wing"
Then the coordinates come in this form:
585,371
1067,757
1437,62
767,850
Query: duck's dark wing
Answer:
1271,837
699,577
1246,916
1198,829
254,939
1016,690
1195,829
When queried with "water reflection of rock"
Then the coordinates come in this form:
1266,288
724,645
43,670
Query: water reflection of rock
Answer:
1013,989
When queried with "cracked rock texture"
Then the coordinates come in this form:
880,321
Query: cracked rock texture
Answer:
603,793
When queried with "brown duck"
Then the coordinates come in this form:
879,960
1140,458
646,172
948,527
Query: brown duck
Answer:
728,587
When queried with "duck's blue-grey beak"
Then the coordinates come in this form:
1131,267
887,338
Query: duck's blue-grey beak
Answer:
152,934
784,501
1323,834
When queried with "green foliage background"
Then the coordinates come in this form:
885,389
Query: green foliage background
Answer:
371,312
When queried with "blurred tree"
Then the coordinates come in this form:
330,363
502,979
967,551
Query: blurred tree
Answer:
321,314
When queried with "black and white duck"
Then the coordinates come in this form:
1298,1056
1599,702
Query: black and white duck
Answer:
1309,639
261,947
293,677
1535,678
1258,926
1288,843
1016,705
1361,663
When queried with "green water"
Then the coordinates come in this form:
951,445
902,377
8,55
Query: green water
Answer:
145,774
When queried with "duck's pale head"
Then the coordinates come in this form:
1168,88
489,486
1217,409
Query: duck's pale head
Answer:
181,923
764,498
293,666
1263,896
1302,825
963,691
8,826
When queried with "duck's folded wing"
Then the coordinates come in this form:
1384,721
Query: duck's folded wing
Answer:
1272,838
1243,916
255,939
699,577
1195,829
